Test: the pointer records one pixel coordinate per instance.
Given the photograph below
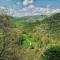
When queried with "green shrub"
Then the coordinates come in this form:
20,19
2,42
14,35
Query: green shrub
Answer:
52,53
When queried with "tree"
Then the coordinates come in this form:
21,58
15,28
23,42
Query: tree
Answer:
6,27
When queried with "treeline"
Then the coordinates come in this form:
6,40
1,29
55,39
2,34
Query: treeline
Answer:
10,38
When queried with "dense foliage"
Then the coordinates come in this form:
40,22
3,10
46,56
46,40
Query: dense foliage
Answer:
38,34
9,38
30,38
52,53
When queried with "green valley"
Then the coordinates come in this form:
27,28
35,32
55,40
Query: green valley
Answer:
30,37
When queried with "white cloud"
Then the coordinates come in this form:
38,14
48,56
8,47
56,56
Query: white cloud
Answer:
37,11
29,11
2,7
27,2
31,6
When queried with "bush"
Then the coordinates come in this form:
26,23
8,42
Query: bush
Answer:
52,53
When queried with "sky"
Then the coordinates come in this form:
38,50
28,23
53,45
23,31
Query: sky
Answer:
30,7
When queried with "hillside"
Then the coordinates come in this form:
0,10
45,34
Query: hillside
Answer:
30,38
45,28
38,33
29,22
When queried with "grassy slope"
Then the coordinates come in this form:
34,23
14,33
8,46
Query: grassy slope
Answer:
40,32
27,24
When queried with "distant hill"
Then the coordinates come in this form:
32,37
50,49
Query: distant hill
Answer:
49,27
53,22
36,17
29,22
